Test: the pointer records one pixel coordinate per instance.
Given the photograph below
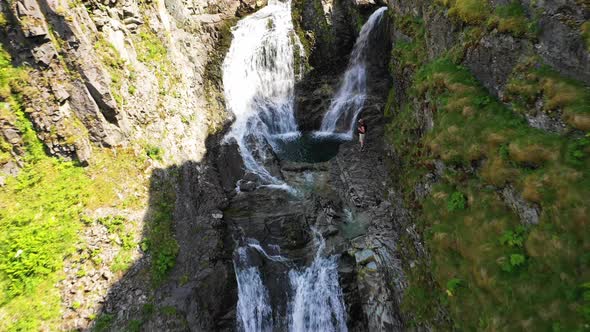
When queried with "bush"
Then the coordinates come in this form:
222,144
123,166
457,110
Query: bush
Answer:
154,152
456,202
470,11
513,238
510,18
452,285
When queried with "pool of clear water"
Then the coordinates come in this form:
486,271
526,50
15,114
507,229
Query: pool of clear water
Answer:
308,147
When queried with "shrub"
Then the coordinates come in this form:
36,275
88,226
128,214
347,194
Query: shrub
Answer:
103,322
154,152
577,151
456,201
510,18
470,11
513,262
452,285
513,238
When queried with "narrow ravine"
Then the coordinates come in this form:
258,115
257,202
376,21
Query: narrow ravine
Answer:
290,244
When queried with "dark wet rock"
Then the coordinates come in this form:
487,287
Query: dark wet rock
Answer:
249,176
246,186
231,166
442,33
559,40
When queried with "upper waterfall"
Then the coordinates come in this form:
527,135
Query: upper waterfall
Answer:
258,81
350,98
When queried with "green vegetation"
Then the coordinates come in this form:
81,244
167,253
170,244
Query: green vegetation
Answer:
469,11
38,210
150,49
154,152
532,81
585,30
456,202
103,323
160,242
411,54
42,210
509,275
3,20
114,65
511,18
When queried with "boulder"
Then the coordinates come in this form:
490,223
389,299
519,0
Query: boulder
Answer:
246,186
364,256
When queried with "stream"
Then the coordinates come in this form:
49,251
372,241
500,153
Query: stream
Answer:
288,274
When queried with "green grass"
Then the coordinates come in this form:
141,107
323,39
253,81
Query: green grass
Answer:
154,152
471,12
585,31
532,81
160,242
42,210
39,218
510,18
150,50
114,65
511,278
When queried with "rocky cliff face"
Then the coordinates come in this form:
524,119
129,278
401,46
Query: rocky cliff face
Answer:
473,107
121,73
469,198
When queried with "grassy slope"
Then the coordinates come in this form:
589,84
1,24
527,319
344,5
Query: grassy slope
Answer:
493,273
42,210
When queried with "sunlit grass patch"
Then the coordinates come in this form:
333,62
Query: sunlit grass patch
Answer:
511,18
532,81
469,11
505,270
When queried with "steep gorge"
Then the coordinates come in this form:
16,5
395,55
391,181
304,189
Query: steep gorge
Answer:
467,211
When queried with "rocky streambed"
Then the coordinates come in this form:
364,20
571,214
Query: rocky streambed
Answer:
347,201
286,230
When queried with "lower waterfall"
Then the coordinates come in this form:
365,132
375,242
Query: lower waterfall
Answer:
315,301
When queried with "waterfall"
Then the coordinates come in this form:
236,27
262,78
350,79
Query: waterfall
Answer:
258,82
350,98
254,312
317,303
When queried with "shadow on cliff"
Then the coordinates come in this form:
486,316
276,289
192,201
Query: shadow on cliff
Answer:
196,289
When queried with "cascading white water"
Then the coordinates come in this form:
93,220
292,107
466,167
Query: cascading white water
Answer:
317,303
258,81
350,98
254,312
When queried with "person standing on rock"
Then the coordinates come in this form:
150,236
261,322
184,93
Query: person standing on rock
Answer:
362,131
